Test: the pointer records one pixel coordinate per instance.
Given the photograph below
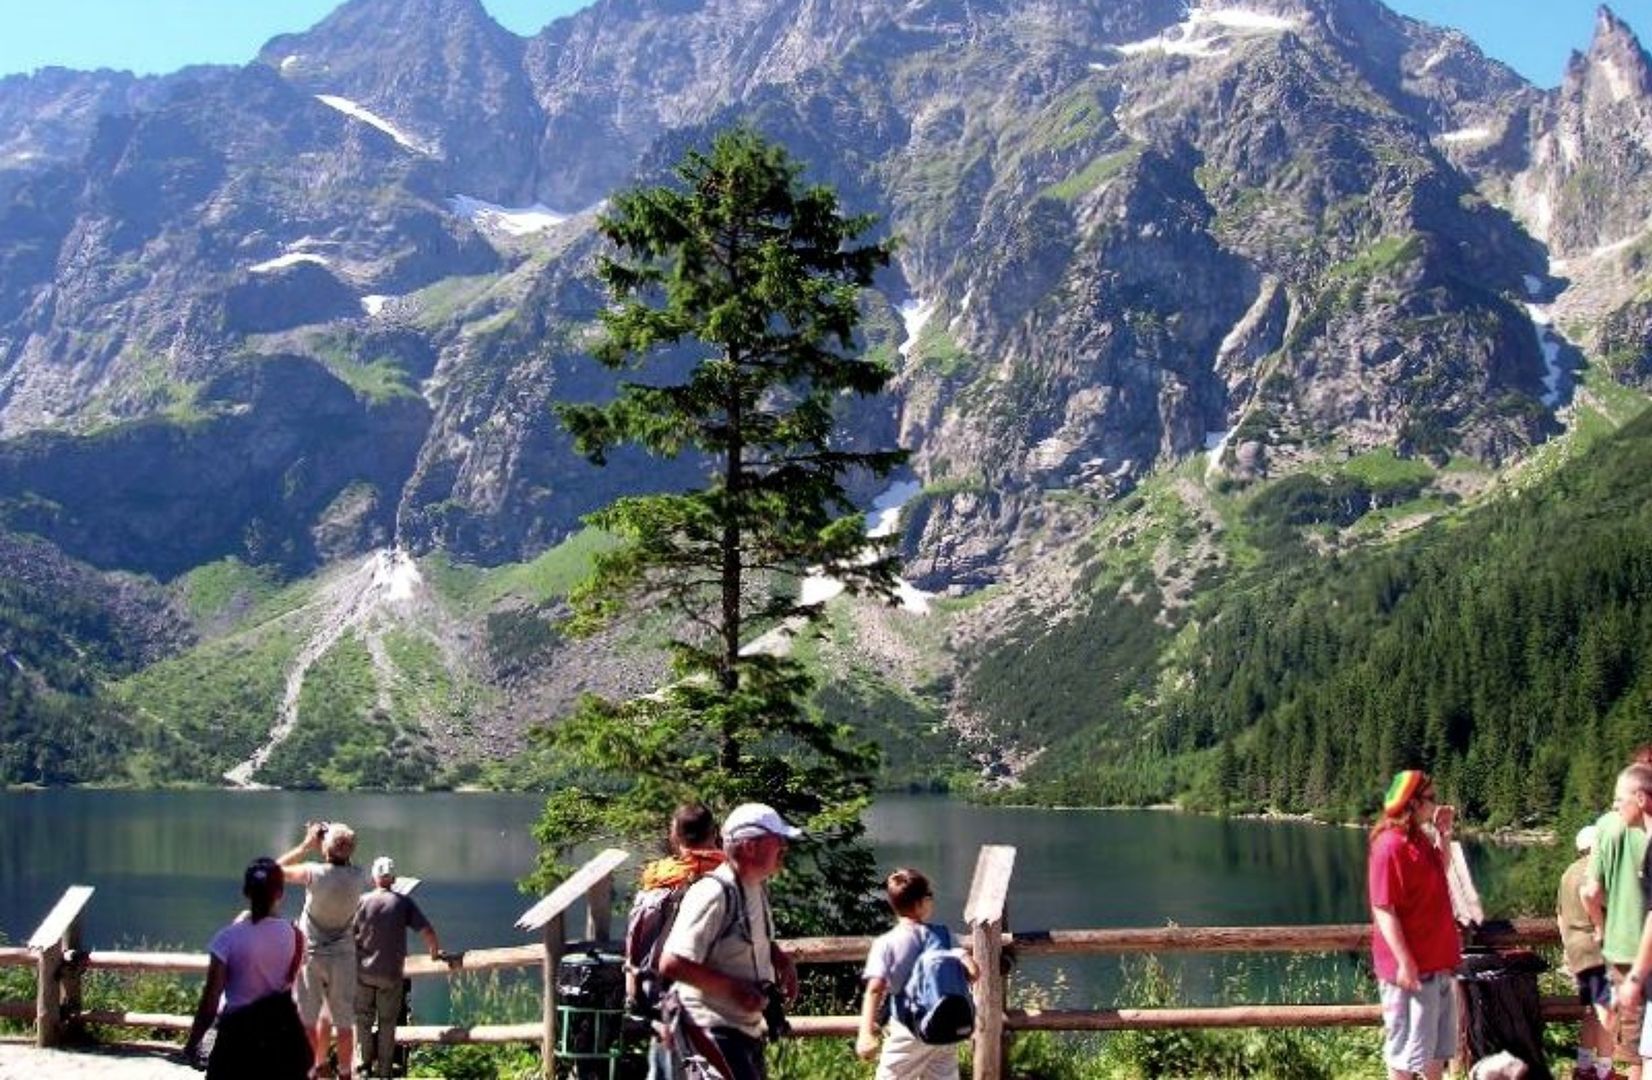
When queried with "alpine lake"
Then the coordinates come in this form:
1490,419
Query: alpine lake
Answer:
167,866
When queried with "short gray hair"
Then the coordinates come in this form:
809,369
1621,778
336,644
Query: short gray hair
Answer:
339,842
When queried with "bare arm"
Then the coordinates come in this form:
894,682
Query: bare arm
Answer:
1388,925
290,859
206,1010
740,992
1633,987
1594,902
871,1003
785,972
430,942
1444,818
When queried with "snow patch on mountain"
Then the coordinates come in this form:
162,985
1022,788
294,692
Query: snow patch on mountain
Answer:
1548,340
1216,443
1238,18
881,521
1464,135
367,116
885,517
291,258
374,304
1205,32
1173,45
512,221
397,575
914,314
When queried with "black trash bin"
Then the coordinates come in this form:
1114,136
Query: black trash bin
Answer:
1503,1008
594,1042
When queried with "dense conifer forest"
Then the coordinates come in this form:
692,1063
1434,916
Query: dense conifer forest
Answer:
1502,648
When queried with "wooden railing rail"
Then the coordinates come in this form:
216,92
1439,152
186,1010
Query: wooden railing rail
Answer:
1226,939
1555,1010
54,951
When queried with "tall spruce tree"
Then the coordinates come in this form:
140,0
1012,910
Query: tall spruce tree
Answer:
736,301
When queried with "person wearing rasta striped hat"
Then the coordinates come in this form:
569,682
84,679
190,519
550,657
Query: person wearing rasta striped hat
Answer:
1416,946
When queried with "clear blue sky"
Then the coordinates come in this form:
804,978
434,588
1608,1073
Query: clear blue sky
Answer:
150,36
1534,36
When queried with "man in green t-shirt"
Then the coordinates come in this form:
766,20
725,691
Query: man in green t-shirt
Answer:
1614,882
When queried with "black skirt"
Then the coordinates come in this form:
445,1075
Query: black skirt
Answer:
263,1041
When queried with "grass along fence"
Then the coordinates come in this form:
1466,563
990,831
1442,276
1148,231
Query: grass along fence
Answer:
54,951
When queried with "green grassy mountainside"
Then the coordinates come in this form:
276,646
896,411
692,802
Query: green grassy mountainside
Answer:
1227,645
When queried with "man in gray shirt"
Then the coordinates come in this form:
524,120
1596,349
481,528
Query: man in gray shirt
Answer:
328,976
383,919
721,951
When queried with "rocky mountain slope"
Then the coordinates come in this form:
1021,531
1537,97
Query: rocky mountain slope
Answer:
296,311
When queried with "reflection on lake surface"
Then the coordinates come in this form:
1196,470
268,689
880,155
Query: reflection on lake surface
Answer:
167,866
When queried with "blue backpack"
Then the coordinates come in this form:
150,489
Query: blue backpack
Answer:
935,1004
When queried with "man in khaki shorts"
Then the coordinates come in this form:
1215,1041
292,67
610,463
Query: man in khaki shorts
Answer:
332,889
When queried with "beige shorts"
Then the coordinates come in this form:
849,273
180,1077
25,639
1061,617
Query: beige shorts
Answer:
1626,1023
906,1057
331,979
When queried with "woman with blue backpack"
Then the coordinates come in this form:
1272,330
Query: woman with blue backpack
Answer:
917,987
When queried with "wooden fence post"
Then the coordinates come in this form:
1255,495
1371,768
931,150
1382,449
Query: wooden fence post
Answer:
48,1004
56,984
69,975
555,937
594,881
984,913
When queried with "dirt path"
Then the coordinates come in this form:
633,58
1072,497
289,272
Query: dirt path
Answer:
20,1061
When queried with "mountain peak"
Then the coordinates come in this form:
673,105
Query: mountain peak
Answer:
1615,66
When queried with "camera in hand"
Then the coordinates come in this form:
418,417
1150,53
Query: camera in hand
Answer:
774,1011
644,1004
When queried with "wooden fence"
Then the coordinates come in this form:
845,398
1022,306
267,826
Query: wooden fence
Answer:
55,952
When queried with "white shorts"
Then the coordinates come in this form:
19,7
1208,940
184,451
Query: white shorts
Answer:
906,1057
1419,1027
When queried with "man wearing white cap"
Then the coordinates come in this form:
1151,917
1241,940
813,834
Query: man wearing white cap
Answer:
721,951
383,919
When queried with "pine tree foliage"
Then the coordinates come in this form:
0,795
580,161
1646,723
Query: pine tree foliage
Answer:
736,307
1505,649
